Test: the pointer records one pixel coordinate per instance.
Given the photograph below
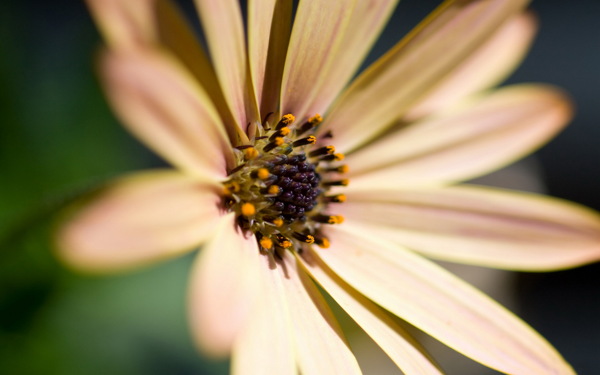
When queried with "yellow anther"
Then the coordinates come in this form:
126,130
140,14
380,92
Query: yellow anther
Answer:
338,157
279,141
273,189
284,131
309,239
316,119
248,209
278,222
263,173
266,243
323,242
342,169
250,153
341,198
336,219
288,119
285,244
311,139
231,187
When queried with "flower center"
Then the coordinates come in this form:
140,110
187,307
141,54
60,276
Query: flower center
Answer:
279,188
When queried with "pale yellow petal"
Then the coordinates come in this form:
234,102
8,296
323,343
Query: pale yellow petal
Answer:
393,84
403,349
224,31
162,105
439,303
320,344
319,29
481,226
266,344
269,27
484,135
139,219
488,66
223,288
366,23
131,24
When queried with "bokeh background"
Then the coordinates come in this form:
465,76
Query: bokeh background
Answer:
59,138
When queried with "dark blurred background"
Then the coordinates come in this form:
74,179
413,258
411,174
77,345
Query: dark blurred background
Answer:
58,138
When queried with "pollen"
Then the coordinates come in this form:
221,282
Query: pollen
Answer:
279,183
248,209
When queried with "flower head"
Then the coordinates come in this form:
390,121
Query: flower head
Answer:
290,176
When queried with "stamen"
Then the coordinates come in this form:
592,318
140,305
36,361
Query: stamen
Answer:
327,150
250,153
322,242
341,169
286,120
328,219
231,188
334,157
309,239
248,209
280,133
340,198
262,173
311,123
310,140
343,182
273,190
266,243
278,141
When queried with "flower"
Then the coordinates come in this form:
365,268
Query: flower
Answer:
258,138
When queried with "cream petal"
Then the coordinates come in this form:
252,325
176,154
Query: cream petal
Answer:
224,30
366,22
439,303
131,24
161,104
223,288
269,27
488,66
266,344
320,346
484,135
403,349
139,219
319,29
481,226
388,89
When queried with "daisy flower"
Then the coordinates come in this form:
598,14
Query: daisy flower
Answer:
298,180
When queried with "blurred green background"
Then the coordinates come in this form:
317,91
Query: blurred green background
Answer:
58,138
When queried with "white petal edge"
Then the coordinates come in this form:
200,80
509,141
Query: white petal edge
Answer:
483,135
161,103
320,344
402,348
489,65
223,26
223,288
139,219
266,344
481,226
393,84
439,303
317,33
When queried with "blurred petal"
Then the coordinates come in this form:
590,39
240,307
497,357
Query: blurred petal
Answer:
388,89
266,344
481,226
403,349
161,104
223,288
139,219
320,344
224,30
131,24
366,22
484,135
486,67
269,27
317,34
439,303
